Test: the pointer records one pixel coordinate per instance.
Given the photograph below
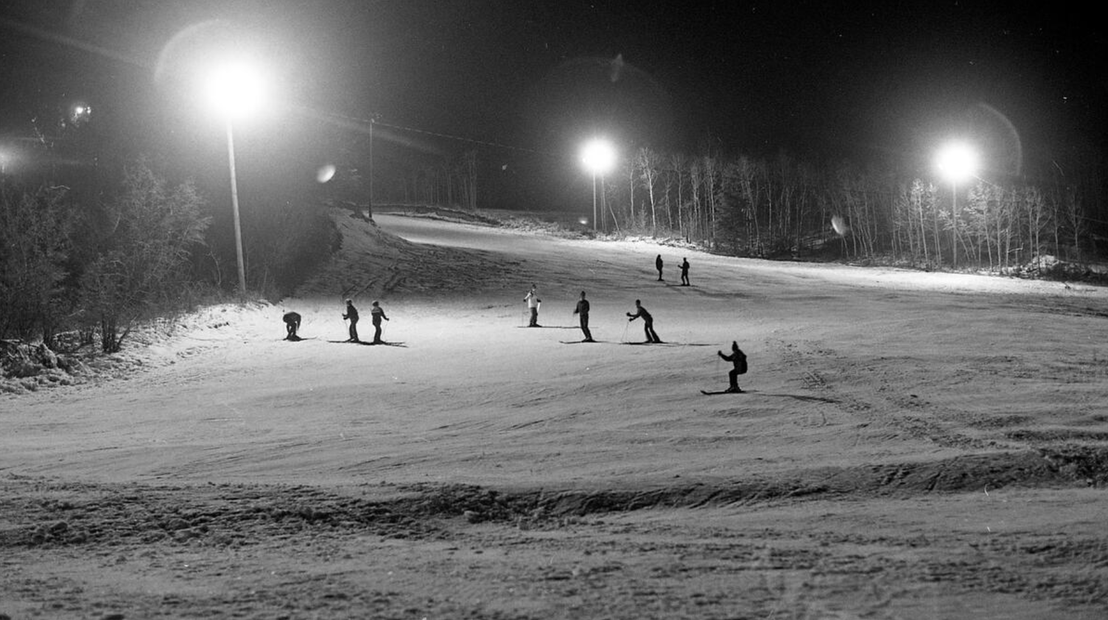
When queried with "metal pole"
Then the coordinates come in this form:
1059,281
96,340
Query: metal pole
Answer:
954,190
235,209
603,205
594,202
371,166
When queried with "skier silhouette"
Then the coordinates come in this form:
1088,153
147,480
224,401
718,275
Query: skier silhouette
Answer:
648,322
684,272
658,265
582,310
376,313
352,315
738,358
292,325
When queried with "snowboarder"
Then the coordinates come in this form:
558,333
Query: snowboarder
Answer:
582,310
533,302
292,325
352,315
376,313
658,265
648,322
684,272
738,358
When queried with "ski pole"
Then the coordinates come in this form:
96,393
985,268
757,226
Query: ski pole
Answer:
623,338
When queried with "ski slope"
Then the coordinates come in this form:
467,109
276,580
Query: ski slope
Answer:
941,393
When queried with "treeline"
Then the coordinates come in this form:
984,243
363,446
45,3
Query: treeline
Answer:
93,264
783,207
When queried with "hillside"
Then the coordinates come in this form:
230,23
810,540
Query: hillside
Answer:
911,445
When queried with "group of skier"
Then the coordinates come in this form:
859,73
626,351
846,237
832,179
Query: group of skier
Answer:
684,267
376,314
736,357
292,323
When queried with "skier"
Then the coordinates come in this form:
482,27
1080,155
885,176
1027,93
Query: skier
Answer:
684,272
738,358
352,315
648,323
658,265
376,313
582,310
292,325
533,302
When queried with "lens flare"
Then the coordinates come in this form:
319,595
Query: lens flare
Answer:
325,173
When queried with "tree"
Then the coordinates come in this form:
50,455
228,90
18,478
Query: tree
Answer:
148,232
649,162
34,245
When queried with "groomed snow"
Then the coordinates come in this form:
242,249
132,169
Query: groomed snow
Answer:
848,366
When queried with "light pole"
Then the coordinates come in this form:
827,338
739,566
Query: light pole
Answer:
956,162
598,156
235,207
235,90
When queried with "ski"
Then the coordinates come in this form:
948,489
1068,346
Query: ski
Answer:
707,393
580,341
368,343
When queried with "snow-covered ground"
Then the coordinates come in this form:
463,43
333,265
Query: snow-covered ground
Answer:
861,364
855,374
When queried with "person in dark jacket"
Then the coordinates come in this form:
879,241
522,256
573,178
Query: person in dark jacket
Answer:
292,325
648,322
738,358
352,316
377,314
582,311
684,272
658,265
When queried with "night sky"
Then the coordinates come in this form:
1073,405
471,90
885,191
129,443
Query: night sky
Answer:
868,81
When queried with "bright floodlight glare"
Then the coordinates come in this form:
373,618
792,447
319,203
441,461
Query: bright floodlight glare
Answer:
957,162
598,156
235,89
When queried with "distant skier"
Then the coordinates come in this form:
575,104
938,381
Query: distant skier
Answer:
292,325
352,316
648,322
376,313
684,272
533,302
738,358
582,310
658,265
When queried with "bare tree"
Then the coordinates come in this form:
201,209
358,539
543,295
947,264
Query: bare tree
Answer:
34,244
649,162
152,229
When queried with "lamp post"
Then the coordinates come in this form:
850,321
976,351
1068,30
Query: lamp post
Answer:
956,162
598,156
235,90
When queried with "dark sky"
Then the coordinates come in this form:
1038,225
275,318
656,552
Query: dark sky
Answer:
865,80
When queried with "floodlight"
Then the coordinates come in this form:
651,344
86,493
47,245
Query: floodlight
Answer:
957,162
236,89
598,156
